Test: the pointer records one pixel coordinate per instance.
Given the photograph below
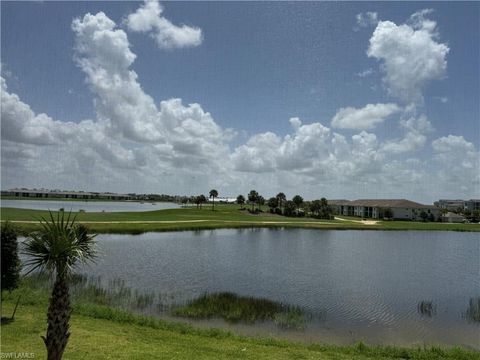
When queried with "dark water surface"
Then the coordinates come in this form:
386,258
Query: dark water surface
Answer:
358,285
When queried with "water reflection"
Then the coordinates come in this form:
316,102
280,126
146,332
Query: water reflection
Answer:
473,311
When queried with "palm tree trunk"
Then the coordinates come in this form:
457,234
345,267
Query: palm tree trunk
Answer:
58,318
213,203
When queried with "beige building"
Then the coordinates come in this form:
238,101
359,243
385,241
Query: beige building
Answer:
375,208
451,217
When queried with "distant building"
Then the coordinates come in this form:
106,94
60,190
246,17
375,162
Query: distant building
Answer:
450,217
43,193
228,200
472,205
450,204
375,208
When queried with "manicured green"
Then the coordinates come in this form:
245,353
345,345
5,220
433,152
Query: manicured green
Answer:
100,332
224,216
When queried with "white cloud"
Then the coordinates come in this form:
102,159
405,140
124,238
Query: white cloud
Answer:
138,144
148,19
365,73
442,99
459,164
411,55
367,19
365,118
416,129
20,124
103,53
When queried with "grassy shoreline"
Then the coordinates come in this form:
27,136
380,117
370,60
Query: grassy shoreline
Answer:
224,216
104,332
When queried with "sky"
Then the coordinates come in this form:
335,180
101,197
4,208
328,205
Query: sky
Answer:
341,100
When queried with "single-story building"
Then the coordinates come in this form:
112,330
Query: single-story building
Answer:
401,209
451,217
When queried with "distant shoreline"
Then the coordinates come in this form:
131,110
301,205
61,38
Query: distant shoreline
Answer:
225,216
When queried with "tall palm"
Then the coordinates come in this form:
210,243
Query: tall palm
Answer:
57,247
281,197
252,198
213,195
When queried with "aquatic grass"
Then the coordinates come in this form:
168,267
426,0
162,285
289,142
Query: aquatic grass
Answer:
104,329
427,308
91,290
473,311
234,308
292,317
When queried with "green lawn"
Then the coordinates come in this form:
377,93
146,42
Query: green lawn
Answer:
224,216
100,332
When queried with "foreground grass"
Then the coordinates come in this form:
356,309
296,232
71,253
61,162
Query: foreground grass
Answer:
224,216
105,333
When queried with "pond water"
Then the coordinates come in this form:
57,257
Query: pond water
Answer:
358,285
88,206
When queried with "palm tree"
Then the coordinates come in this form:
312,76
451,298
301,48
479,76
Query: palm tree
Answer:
252,198
57,247
240,200
213,195
202,199
298,200
281,199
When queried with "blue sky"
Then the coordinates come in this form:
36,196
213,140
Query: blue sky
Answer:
255,66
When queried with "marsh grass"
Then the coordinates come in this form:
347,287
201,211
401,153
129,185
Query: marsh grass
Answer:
149,337
473,311
91,290
427,308
234,308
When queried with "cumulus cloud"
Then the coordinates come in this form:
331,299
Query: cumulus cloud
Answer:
411,55
367,19
148,19
138,143
365,118
460,163
130,133
416,129
365,73
311,151
20,124
103,53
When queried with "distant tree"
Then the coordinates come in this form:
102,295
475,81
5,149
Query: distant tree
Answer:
252,198
202,200
240,200
213,195
260,201
388,213
475,216
298,201
11,264
320,209
281,200
423,215
289,208
431,217
196,200
272,203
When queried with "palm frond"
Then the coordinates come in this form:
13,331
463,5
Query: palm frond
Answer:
59,245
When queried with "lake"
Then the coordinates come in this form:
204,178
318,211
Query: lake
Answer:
89,206
358,285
